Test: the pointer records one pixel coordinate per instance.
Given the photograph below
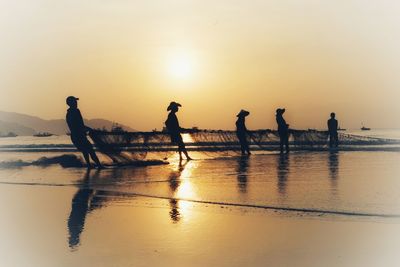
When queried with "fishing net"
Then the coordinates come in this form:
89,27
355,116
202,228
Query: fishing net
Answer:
125,146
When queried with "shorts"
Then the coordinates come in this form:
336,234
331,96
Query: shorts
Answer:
81,143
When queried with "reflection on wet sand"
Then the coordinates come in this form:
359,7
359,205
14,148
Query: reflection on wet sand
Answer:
88,199
179,189
282,173
174,183
242,168
333,169
98,189
80,207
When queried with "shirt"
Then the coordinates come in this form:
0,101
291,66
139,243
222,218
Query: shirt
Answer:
332,125
75,122
172,123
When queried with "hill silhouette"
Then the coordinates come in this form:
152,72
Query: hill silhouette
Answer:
23,124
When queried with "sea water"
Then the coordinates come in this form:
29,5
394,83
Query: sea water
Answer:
320,208
346,183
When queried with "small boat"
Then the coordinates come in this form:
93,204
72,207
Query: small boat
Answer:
365,128
43,134
341,129
10,134
116,128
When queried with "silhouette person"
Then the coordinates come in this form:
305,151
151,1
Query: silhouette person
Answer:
78,132
174,129
333,131
241,131
283,130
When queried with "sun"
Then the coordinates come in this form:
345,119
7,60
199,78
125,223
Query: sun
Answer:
181,66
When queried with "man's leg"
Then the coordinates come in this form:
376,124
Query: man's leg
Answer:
336,140
246,146
287,143
95,158
86,157
182,148
281,141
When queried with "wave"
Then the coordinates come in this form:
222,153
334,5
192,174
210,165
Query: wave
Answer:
349,146
73,161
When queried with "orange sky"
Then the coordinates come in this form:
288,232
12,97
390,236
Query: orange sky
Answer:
127,59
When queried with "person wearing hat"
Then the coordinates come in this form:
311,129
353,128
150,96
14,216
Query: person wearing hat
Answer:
333,131
78,132
174,130
283,130
241,131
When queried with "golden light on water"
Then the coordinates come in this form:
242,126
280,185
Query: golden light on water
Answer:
187,138
185,190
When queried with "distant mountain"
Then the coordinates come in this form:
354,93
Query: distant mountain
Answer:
10,127
22,124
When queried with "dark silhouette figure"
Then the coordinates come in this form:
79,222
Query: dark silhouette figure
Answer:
243,165
283,130
282,173
78,132
333,131
241,131
80,208
175,130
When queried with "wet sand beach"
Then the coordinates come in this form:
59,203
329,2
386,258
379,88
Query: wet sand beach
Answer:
306,209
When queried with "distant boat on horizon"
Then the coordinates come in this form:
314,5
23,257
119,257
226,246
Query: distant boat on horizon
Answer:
43,134
363,128
10,134
341,129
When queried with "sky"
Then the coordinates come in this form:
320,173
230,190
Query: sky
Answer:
126,60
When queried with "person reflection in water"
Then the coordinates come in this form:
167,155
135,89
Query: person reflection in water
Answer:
333,169
241,131
79,209
174,130
283,130
174,183
78,132
242,167
282,173
333,131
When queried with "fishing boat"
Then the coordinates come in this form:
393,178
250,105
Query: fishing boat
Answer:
363,128
43,134
341,129
10,134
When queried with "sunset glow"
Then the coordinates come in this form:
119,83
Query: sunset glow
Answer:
181,66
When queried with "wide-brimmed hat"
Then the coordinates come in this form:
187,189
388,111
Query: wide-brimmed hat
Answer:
280,111
71,99
173,105
243,113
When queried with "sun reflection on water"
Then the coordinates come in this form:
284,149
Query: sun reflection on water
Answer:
182,188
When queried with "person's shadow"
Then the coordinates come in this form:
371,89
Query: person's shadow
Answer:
242,175
80,207
174,181
282,173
